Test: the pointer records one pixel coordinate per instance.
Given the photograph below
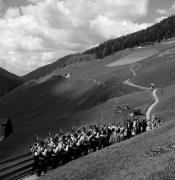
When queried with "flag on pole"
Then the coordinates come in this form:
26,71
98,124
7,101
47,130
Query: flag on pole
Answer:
49,134
37,138
61,132
132,114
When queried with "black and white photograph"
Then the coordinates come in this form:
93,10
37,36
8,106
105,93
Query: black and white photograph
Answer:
87,89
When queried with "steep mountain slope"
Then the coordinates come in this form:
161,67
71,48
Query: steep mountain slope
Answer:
8,81
65,61
158,70
48,104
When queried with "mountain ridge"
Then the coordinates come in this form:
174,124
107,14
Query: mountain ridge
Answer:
156,33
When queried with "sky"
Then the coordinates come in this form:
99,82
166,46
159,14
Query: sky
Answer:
34,33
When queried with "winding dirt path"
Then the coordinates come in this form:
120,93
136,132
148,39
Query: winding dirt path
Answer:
149,110
128,81
154,93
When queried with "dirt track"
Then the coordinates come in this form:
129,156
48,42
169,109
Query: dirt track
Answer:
149,110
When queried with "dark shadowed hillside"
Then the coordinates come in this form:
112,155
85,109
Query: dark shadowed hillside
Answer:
8,81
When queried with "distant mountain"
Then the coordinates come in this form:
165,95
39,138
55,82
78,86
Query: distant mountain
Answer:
8,81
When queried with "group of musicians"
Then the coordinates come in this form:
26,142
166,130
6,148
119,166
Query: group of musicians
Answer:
62,148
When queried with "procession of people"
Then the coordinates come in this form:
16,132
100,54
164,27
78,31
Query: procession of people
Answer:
52,152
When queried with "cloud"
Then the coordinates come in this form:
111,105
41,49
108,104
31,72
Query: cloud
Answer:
161,11
107,28
157,20
173,6
45,30
165,13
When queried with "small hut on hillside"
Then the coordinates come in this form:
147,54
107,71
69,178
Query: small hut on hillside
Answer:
137,113
5,128
67,75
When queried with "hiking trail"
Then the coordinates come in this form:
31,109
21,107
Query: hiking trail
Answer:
154,93
149,110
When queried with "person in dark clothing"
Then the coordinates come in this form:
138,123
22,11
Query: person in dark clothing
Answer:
34,150
54,154
42,151
144,125
138,127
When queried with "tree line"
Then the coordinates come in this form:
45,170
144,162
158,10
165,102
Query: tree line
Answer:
160,31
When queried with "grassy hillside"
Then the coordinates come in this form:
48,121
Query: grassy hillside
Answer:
158,69
8,81
129,159
28,122
54,102
61,63
77,62
165,108
48,104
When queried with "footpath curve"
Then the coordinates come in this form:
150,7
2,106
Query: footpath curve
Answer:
154,93
149,110
128,81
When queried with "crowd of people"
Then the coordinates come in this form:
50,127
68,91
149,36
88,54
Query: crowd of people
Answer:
62,148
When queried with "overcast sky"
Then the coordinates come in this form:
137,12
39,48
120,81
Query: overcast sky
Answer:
34,33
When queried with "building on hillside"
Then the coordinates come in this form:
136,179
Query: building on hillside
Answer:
136,113
149,43
146,44
141,46
67,75
131,49
59,76
5,128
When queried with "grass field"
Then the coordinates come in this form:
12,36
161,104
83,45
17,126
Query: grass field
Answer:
134,57
159,71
